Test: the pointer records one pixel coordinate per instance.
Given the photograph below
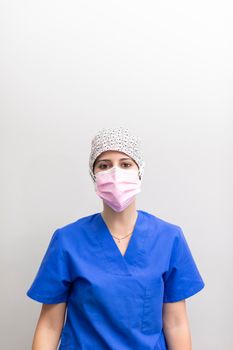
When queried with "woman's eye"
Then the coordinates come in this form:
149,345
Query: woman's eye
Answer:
127,165
102,166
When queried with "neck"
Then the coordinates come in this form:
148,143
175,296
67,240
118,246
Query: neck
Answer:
120,223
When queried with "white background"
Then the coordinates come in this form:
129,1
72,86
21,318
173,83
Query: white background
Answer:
161,68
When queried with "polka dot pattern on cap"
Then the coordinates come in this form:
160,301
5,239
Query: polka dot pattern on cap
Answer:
116,139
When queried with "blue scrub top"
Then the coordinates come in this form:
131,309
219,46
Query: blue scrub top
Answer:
114,301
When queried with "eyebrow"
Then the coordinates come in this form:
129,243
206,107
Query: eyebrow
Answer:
109,160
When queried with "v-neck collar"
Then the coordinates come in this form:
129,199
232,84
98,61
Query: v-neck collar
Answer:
118,263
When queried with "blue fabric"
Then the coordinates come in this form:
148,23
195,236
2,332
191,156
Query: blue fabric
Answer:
114,301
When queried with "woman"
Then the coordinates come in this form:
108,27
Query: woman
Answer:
122,274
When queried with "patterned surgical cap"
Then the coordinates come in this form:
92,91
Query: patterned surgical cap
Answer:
116,139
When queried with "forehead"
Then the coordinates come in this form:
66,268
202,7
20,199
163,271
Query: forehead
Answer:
114,155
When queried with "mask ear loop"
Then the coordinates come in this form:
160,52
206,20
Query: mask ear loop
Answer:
141,171
92,175
139,175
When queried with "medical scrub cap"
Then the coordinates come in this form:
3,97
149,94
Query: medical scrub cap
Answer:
116,139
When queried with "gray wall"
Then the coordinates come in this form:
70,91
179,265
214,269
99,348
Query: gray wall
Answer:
163,69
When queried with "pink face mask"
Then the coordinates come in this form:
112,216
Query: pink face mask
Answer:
117,187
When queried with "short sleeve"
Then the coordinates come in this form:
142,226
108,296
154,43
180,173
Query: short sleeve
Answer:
183,278
53,279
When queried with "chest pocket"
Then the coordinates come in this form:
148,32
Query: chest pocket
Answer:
152,307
